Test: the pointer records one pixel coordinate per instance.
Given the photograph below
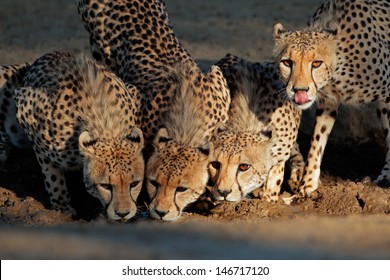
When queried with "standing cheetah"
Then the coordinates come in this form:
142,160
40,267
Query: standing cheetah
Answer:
343,56
136,39
79,115
251,149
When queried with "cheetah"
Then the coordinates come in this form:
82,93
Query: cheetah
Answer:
177,172
136,40
80,116
11,134
342,57
251,149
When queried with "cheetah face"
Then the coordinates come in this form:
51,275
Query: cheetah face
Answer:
114,171
243,161
176,176
306,61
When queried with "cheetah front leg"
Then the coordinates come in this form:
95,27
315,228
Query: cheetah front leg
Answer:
297,165
274,182
383,113
55,185
325,118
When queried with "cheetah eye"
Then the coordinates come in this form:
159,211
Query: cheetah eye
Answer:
216,165
316,63
287,62
107,187
243,167
134,184
181,189
155,183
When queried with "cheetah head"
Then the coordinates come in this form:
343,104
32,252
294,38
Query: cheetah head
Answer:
243,161
114,171
177,175
306,61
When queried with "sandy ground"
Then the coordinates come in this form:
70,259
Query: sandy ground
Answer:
347,218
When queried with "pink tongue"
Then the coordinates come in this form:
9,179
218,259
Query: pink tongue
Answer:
301,97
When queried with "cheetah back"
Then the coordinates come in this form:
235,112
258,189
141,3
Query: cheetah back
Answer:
139,44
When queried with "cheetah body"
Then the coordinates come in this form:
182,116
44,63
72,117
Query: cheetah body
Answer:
78,115
342,57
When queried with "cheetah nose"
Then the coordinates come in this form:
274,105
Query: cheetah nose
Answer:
224,193
300,95
161,214
122,214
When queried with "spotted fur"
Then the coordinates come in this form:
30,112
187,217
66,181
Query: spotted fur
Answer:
343,56
137,40
177,172
78,115
251,149
140,46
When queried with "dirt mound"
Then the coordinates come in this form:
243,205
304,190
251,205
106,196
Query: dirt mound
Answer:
27,211
335,197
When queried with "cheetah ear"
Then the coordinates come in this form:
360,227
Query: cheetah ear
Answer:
266,133
332,31
86,144
206,149
136,136
161,138
218,129
278,30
